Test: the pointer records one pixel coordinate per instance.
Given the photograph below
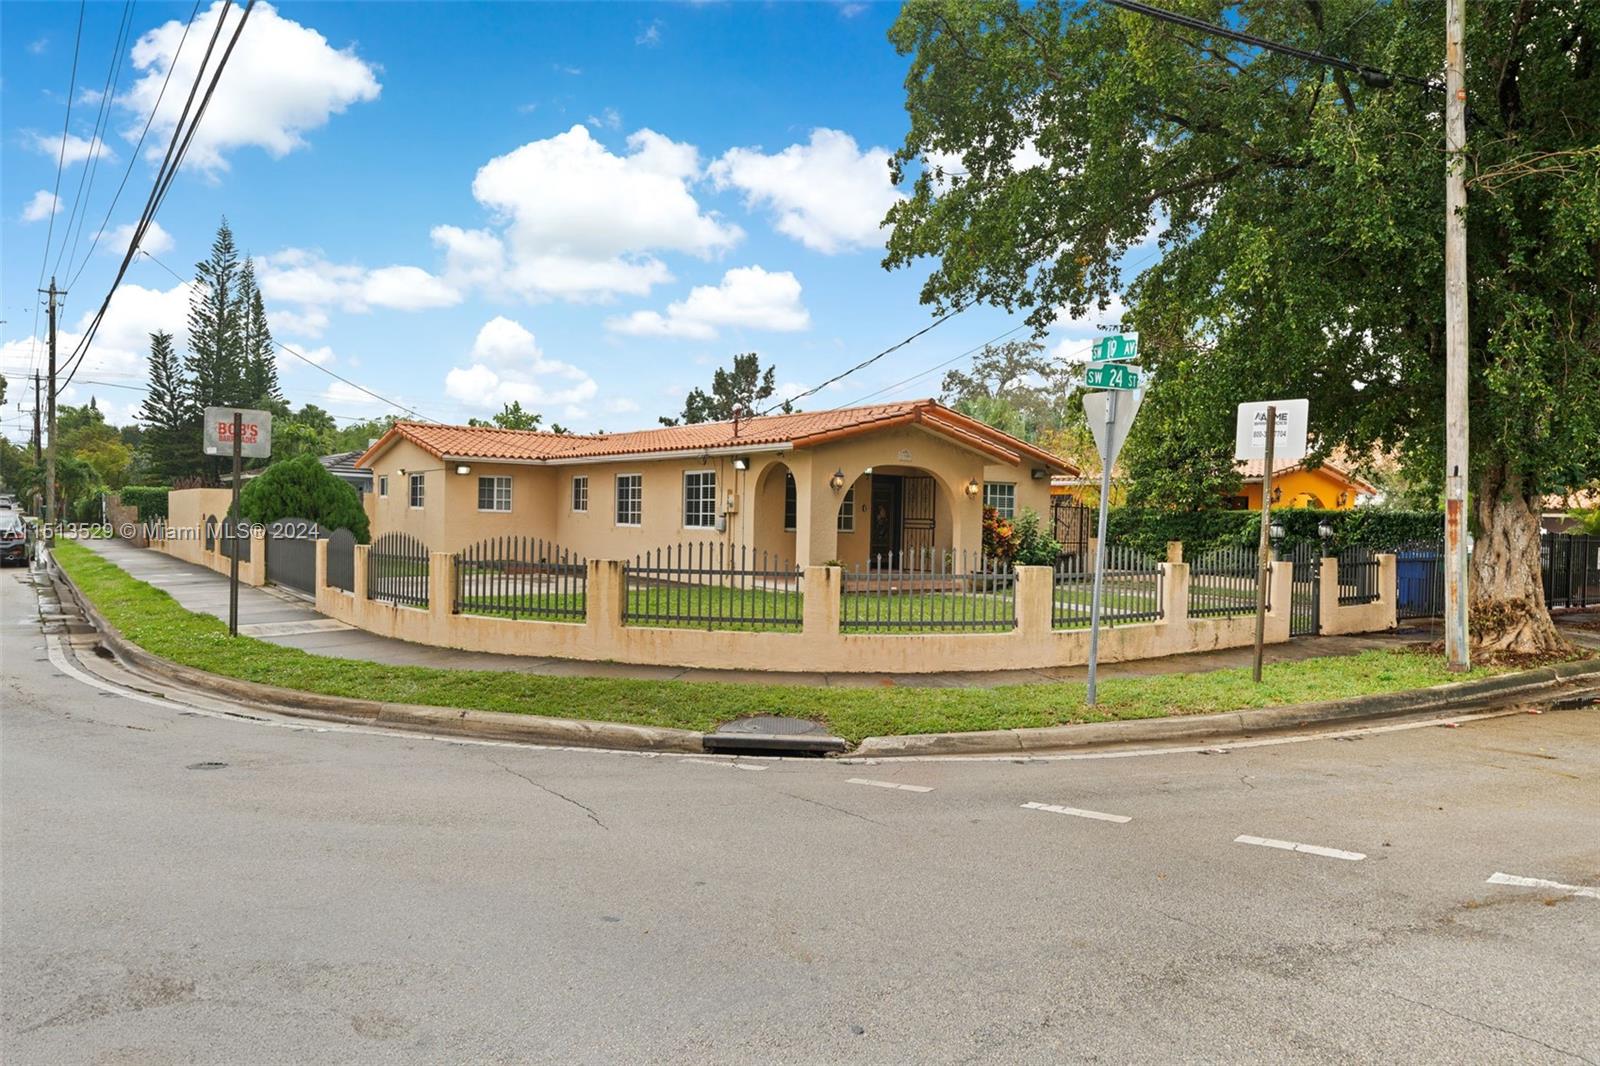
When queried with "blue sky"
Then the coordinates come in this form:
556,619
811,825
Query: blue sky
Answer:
585,207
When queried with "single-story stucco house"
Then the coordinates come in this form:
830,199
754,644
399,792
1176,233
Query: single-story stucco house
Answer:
841,485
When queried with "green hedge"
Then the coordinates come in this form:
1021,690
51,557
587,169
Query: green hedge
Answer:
150,500
1149,529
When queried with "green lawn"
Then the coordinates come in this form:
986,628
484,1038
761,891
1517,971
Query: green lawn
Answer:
152,619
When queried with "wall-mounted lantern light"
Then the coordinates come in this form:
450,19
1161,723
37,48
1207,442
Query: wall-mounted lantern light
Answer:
867,471
837,480
741,462
1039,473
973,488
463,469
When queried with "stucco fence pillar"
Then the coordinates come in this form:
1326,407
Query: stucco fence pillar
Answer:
1175,590
441,596
604,604
820,608
254,571
1379,615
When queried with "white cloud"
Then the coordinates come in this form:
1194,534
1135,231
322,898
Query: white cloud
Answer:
302,287
156,240
121,348
610,119
619,405
649,36
41,206
747,298
282,80
77,149
579,222
827,194
520,373
38,47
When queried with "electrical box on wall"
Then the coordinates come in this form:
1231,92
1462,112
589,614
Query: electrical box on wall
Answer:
730,503
722,523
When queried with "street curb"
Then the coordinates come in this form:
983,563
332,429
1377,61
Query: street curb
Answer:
455,721
1456,698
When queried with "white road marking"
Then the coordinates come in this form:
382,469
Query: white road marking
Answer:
1309,849
1498,878
887,784
1075,812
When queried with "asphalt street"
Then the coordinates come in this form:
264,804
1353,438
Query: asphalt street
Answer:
193,883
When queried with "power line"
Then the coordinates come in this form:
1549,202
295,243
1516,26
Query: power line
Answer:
170,165
307,360
55,195
96,144
133,155
947,316
1373,76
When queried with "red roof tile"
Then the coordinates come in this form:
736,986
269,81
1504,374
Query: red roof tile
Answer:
802,429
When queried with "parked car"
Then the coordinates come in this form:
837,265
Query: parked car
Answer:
13,539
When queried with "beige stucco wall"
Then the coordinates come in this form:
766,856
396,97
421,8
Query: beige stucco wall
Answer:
187,511
818,646
541,498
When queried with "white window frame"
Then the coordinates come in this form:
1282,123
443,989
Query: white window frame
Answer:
383,484
580,494
1010,509
417,490
707,519
847,511
616,498
500,480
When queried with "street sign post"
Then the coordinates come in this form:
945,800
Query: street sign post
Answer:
1104,375
1110,415
1252,440
241,432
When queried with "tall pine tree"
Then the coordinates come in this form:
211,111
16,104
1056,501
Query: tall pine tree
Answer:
169,445
215,363
259,366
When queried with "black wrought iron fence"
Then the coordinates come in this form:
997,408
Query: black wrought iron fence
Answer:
1132,591
1305,589
1358,576
397,570
521,577
713,586
1570,566
292,553
928,590
1223,582
234,538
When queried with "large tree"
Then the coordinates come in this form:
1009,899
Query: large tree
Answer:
258,365
216,354
169,448
738,389
1302,215
1013,386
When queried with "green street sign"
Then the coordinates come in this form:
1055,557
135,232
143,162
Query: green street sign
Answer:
1121,348
1111,376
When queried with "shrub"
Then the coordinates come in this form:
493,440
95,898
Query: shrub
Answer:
1035,547
149,500
302,488
999,536
1149,529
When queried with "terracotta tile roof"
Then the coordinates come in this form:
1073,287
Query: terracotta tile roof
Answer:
802,429
1253,469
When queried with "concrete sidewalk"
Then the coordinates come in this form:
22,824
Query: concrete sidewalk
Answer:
285,618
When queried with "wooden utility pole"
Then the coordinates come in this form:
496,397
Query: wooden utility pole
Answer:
1456,588
38,441
50,409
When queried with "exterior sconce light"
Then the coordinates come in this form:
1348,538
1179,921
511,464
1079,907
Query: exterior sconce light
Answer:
1277,494
463,469
973,488
837,480
741,462
868,471
1039,473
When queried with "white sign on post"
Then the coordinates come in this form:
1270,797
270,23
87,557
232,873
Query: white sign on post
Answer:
255,432
1094,409
1250,432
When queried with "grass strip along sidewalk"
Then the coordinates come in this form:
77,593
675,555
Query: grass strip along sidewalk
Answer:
152,619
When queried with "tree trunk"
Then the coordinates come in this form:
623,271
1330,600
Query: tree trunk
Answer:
1508,614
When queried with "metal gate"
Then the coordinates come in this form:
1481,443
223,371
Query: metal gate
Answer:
1305,612
1419,580
292,553
342,560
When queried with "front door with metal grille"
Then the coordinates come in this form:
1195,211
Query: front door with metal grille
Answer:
885,515
1305,614
916,514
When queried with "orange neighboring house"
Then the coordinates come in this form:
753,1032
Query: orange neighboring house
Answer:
1333,486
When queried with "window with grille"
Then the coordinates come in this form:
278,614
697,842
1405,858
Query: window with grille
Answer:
416,490
630,499
847,511
494,494
700,499
580,493
1002,496
791,503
